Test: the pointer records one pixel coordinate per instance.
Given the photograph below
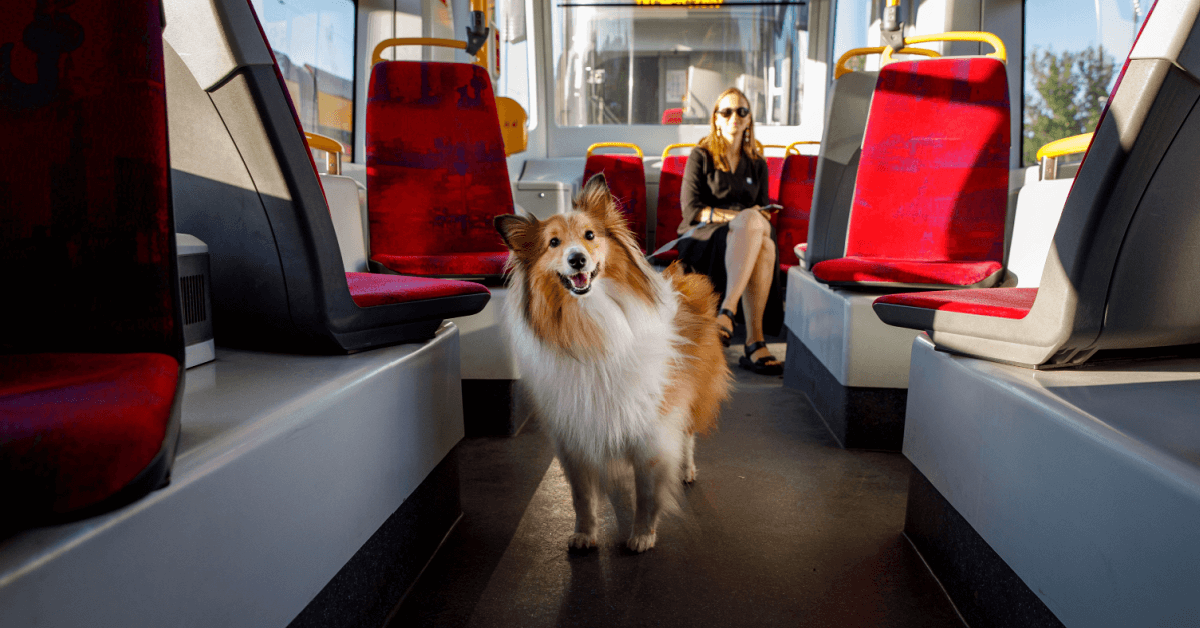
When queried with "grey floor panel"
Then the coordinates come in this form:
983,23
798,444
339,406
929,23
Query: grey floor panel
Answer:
782,528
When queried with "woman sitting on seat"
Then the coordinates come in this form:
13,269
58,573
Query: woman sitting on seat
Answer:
725,187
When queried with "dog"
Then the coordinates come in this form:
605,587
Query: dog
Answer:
623,365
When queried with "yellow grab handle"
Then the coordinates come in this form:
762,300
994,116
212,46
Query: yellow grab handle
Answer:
614,145
841,68
979,36
1065,146
377,54
673,146
763,147
792,147
334,148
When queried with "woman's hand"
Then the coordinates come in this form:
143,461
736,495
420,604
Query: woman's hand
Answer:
717,215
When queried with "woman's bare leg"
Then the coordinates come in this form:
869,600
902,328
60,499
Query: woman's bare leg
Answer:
747,233
754,300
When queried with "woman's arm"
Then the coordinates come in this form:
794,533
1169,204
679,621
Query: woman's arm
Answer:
691,191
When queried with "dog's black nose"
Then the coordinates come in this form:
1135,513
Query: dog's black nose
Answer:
577,260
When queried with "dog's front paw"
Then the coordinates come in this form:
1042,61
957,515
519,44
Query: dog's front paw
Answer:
581,541
689,474
642,542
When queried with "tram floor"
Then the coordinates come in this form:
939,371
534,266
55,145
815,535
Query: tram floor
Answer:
781,528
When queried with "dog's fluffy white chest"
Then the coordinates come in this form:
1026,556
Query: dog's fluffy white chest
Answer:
601,406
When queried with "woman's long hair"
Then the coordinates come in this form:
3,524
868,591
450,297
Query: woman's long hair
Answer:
716,143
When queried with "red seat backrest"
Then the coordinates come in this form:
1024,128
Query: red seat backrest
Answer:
436,170
87,240
933,178
774,176
627,182
670,214
795,194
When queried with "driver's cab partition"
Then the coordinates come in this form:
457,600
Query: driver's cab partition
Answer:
885,218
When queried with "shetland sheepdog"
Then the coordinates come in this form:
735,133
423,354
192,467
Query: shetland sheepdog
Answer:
623,365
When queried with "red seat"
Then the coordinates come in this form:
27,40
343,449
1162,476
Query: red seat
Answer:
932,188
774,176
669,214
626,180
372,289
1000,302
92,351
436,170
795,194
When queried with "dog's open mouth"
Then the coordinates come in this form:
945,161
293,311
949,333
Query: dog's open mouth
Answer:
579,283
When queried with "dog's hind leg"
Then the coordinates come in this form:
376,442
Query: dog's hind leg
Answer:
585,492
689,459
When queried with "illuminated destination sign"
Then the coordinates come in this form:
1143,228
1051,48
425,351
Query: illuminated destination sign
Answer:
680,3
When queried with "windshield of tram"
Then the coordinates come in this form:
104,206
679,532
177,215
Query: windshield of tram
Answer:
621,63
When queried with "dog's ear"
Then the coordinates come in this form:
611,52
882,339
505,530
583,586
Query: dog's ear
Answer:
595,199
519,233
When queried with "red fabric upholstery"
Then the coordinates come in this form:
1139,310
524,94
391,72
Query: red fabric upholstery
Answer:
998,302
774,176
932,182
672,116
77,427
627,182
458,265
368,289
436,170
670,214
873,270
795,194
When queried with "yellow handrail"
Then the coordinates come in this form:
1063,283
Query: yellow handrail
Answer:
377,54
841,68
673,146
762,148
979,36
333,148
1065,146
793,145
614,145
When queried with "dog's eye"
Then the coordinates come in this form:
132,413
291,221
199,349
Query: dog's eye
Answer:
589,236
555,242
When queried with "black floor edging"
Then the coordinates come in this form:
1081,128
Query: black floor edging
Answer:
859,418
366,590
986,591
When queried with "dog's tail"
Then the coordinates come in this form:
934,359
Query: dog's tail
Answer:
708,375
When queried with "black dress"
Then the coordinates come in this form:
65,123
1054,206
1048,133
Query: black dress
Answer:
704,250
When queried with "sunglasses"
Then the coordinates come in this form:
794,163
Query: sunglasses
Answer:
742,112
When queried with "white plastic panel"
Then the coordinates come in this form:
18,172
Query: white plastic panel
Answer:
349,220
1039,206
486,349
1085,481
287,465
842,331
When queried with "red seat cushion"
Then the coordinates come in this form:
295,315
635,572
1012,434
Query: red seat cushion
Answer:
932,183
78,427
998,302
436,170
458,265
875,271
670,214
370,289
627,182
795,194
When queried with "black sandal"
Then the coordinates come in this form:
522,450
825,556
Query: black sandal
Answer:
762,365
726,333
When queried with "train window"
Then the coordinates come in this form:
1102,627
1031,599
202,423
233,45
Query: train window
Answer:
666,61
313,41
1073,52
518,74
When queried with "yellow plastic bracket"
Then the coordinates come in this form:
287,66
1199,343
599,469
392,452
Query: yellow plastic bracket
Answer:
841,68
332,148
614,145
791,148
512,125
1065,146
979,36
377,54
671,147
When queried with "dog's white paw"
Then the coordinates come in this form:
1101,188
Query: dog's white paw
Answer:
689,474
642,542
579,540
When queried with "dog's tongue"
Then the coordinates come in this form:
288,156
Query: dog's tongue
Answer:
579,280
